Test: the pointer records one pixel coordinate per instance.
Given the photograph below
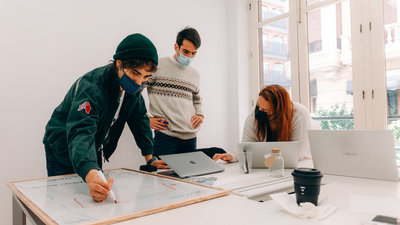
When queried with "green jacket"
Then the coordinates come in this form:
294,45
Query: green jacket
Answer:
78,126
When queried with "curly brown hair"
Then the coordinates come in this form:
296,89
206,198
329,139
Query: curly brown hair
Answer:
137,63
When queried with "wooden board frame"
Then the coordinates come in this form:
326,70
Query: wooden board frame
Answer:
48,220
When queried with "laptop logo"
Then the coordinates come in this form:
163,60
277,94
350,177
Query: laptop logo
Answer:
192,162
350,154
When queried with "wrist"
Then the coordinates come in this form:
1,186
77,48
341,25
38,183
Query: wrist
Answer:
151,160
90,175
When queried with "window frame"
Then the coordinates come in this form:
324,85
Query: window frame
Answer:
368,63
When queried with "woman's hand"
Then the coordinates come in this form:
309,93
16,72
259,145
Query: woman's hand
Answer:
226,157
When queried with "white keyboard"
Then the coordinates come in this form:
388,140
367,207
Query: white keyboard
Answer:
265,188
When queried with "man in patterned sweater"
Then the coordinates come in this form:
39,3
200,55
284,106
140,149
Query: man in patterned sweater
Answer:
175,103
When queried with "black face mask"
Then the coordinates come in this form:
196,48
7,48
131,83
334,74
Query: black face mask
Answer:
261,116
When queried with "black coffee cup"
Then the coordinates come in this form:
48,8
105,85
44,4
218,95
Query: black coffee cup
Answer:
307,182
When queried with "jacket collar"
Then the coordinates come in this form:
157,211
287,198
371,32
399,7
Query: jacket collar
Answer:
111,82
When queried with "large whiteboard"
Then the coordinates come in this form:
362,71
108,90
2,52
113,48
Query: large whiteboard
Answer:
66,199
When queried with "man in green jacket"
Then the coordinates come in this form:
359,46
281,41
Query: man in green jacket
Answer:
84,129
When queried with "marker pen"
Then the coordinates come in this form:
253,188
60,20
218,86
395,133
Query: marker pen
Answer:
101,175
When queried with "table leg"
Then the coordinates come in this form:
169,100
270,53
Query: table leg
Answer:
21,212
19,217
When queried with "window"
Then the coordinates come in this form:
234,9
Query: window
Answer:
333,57
271,9
274,50
392,58
330,66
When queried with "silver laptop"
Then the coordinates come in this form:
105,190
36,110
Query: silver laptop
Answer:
355,153
289,152
191,164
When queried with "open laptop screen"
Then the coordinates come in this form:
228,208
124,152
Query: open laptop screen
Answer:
289,152
356,153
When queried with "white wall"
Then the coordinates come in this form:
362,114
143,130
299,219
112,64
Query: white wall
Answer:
238,68
46,45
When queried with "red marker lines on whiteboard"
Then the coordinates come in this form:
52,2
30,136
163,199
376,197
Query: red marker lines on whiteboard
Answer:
168,186
79,203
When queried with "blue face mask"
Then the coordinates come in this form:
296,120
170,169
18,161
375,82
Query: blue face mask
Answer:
130,86
184,60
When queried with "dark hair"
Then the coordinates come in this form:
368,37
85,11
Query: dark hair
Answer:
137,63
189,34
282,116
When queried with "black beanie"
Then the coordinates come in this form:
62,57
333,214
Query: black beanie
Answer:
136,46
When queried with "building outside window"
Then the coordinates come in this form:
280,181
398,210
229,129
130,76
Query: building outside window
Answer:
325,27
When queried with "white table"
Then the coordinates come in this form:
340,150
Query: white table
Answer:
349,194
359,200
257,185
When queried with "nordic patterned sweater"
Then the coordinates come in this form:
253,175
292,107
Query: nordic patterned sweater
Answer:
174,94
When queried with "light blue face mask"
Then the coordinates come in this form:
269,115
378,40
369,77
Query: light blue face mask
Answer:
184,60
130,86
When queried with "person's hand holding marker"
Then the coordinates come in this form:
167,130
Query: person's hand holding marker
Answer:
99,189
158,123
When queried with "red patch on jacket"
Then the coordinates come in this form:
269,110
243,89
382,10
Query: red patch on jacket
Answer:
85,106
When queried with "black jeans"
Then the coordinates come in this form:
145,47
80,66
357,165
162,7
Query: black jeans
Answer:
165,145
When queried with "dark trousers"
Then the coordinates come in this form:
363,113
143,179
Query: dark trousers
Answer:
55,167
165,145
